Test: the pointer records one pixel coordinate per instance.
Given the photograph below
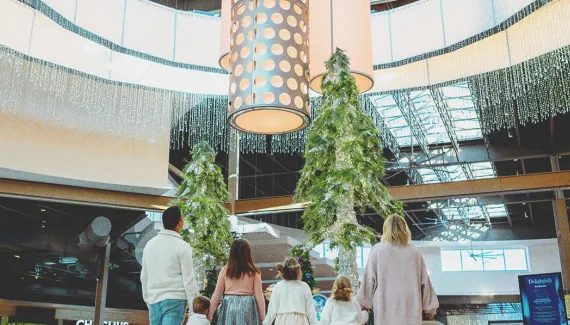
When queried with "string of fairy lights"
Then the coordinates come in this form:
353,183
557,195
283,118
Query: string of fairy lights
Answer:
528,93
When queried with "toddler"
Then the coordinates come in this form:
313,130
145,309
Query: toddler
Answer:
291,299
201,307
341,308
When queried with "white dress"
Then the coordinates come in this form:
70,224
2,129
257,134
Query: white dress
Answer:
338,312
291,303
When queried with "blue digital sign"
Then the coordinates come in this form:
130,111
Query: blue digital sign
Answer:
542,299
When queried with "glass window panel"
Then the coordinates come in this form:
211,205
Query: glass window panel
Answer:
461,104
469,134
359,261
457,90
493,260
471,260
366,254
467,124
331,254
320,248
462,113
451,260
515,259
482,165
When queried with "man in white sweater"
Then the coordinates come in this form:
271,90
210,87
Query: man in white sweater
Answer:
167,276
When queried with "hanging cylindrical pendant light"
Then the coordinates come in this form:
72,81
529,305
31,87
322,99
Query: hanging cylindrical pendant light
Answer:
269,63
343,24
225,35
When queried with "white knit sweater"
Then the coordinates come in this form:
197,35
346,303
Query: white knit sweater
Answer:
291,297
167,269
343,313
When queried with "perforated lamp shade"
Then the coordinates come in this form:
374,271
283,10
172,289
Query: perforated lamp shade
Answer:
269,54
343,24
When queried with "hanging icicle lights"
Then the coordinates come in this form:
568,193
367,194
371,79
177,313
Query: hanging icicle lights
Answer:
269,58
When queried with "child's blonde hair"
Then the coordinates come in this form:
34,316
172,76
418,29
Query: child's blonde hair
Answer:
342,289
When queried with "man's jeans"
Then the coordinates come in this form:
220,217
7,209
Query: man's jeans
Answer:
167,312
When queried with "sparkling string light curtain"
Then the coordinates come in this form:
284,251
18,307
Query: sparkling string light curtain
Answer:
535,75
539,29
58,96
269,56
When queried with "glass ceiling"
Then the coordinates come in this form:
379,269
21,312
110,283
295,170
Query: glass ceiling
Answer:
435,116
458,104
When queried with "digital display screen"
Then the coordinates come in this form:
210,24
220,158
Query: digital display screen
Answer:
542,299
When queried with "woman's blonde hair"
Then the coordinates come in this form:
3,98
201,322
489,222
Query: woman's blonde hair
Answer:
290,269
342,289
396,231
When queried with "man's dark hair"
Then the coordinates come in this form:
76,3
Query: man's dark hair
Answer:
200,305
171,217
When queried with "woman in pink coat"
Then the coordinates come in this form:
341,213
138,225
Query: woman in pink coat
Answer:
395,283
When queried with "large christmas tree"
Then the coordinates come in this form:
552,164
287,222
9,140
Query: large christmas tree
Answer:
201,197
343,170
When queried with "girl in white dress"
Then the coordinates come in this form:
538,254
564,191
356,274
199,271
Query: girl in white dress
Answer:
342,308
291,299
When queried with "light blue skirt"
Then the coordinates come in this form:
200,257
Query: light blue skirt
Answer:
239,310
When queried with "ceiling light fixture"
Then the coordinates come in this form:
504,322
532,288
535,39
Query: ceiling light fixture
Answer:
268,61
345,25
225,32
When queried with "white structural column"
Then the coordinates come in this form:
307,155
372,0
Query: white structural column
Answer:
233,169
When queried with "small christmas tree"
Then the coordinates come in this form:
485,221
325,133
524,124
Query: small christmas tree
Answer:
343,170
201,197
304,258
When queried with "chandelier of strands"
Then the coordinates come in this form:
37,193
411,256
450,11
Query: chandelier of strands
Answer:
265,46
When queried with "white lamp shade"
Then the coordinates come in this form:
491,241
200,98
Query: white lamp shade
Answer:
225,35
345,25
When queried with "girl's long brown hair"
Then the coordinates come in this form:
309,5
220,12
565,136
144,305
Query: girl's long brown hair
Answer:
240,261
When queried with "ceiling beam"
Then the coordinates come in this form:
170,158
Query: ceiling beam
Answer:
412,193
80,195
479,152
441,191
